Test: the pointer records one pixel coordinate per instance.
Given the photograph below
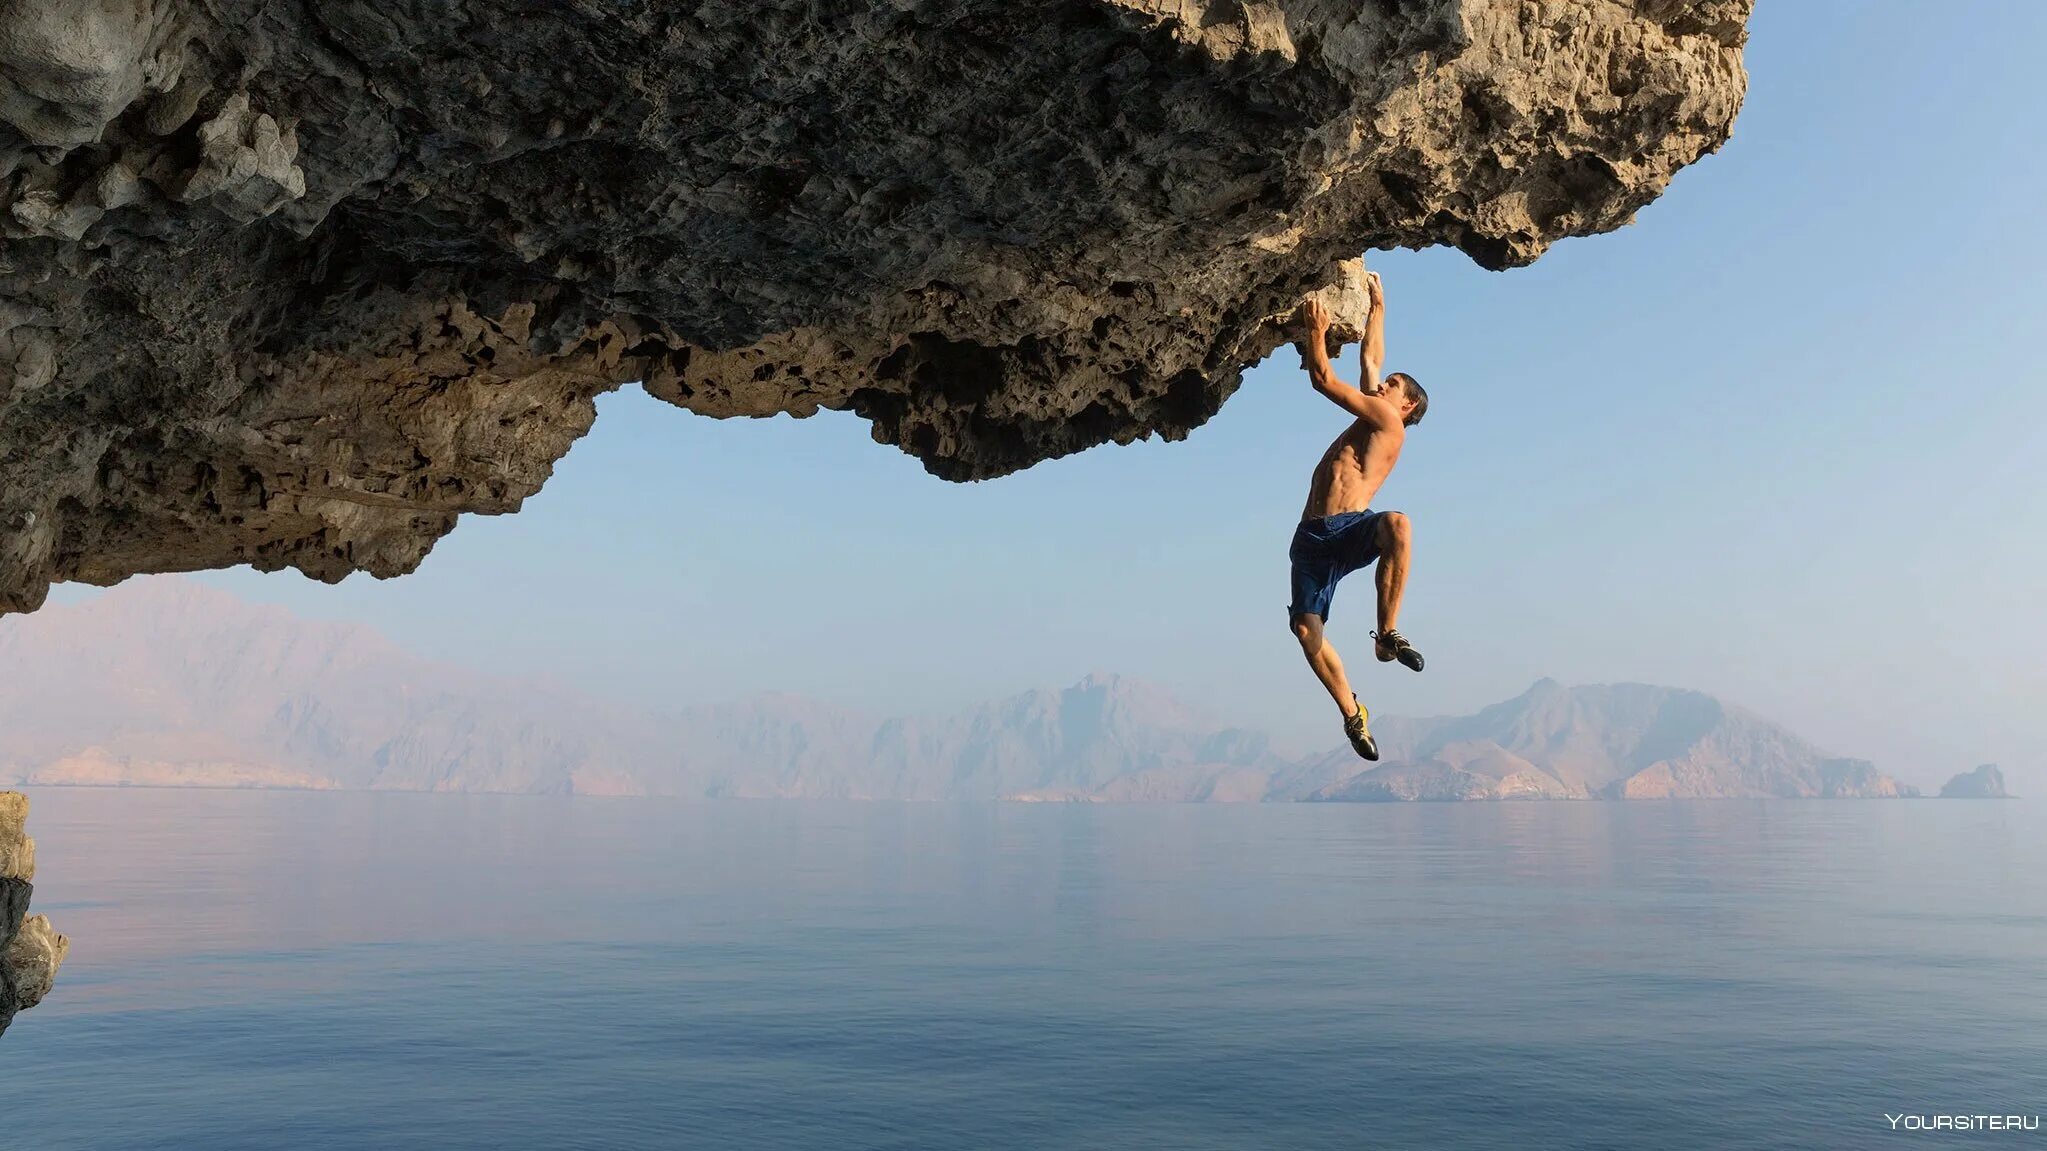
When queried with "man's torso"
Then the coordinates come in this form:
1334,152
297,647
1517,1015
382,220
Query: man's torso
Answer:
1352,470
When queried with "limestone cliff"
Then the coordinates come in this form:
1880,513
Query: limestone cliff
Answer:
29,950
295,282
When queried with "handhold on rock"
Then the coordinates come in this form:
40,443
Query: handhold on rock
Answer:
1348,301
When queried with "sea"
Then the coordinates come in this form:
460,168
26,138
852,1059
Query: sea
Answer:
298,970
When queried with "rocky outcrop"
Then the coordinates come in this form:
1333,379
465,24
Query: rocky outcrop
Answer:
29,949
295,283
1985,782
1709,773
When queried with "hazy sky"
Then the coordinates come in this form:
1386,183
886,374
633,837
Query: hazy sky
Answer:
1782,440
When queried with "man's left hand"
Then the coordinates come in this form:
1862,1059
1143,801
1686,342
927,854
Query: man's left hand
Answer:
1315,314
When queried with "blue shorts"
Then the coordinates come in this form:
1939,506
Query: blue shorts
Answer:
1326,550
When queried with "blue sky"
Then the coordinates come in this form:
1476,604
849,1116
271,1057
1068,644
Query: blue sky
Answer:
1781,440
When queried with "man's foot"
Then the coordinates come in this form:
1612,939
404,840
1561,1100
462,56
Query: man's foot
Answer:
1391,645
1360,738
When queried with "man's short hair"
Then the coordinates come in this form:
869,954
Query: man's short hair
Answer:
1414,389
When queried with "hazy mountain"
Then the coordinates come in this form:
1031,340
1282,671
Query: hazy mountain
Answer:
172,683
1617,741
166,682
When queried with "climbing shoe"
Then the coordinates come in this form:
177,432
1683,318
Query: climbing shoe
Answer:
1360,737
1391,645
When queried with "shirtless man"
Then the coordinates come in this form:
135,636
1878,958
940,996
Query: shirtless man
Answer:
1339,532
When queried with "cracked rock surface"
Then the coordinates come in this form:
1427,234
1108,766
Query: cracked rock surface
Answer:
294,283
29,949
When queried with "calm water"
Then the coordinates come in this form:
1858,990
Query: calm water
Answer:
284,970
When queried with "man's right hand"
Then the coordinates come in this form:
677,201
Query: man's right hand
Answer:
1375,290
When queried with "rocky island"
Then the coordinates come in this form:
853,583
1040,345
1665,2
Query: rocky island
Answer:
1985,782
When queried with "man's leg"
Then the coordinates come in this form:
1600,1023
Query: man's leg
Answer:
1395,541
1395,545
1323,659
1329,669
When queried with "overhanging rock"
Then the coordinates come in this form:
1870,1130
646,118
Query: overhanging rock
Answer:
293,283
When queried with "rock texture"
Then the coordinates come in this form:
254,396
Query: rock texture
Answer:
295,283
29,950
168,683
1985,782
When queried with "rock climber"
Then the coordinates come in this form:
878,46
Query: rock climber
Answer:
1339,532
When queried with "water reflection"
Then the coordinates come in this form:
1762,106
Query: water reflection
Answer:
521,971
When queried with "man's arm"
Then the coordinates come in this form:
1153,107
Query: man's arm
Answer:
1374,408
1374,352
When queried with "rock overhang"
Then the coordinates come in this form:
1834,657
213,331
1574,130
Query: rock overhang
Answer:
295,285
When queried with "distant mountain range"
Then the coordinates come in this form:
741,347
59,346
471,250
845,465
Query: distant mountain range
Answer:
170,683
